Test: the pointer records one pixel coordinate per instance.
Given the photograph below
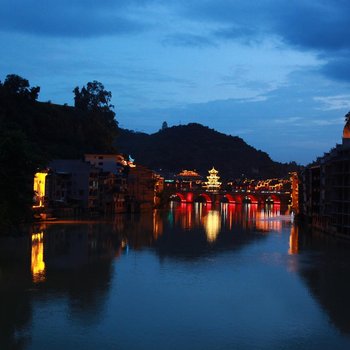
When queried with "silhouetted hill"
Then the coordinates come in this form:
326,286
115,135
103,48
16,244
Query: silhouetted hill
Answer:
195,146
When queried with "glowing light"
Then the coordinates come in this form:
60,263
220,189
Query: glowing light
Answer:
39,189
294,179
346,130
182,197
189,197
212,225
188,173
37,259
213,183
267,219
293,241
157,225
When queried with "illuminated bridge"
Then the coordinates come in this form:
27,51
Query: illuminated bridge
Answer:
234,197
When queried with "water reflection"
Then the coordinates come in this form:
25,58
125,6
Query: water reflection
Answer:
249,216
325,269
212,225
69,264
293,240
157,225
192,263
15,301
191,231
37,261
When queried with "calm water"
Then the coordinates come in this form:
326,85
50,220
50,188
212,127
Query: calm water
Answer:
193,277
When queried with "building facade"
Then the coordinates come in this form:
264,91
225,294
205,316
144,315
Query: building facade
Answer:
99,184
326,190
72,182
143,185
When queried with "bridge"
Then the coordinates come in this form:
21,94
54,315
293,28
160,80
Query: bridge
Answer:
234,197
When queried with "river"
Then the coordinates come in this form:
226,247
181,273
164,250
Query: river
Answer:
192,277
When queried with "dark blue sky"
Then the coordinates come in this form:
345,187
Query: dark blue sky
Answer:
274,72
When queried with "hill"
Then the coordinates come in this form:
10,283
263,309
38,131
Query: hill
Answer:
195,146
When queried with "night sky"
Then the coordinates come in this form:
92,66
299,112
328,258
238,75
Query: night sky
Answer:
275,72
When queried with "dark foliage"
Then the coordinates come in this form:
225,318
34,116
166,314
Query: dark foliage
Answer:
14,85
100,126
32,133
195,146
17,166
93,97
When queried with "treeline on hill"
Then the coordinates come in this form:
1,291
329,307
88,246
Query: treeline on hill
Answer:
32,133
195,146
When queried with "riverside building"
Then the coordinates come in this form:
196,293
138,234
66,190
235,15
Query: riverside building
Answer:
326,190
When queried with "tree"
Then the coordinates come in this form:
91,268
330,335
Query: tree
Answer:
14,85
93,97
100,127
17,167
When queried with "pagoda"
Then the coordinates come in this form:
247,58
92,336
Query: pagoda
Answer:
213,184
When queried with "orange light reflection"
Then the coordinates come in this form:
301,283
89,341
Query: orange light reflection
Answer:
212,225
157,225
251,216
37,258
293,240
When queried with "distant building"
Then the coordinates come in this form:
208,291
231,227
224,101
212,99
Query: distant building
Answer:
326,190
213,184
143,185
72,181
294,189
112,190
112,181
101,184
188,180
108,163
72,186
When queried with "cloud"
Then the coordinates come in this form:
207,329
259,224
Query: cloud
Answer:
311,25
73,18
308,122
328,122
189,40
289,120
338,67
335,102
320,26
246,35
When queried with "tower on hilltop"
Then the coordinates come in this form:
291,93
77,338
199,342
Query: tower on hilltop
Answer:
213,184
346,130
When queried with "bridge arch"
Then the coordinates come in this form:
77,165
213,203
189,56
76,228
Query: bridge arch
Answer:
232,198
179,195
206,197
248,197
273,197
